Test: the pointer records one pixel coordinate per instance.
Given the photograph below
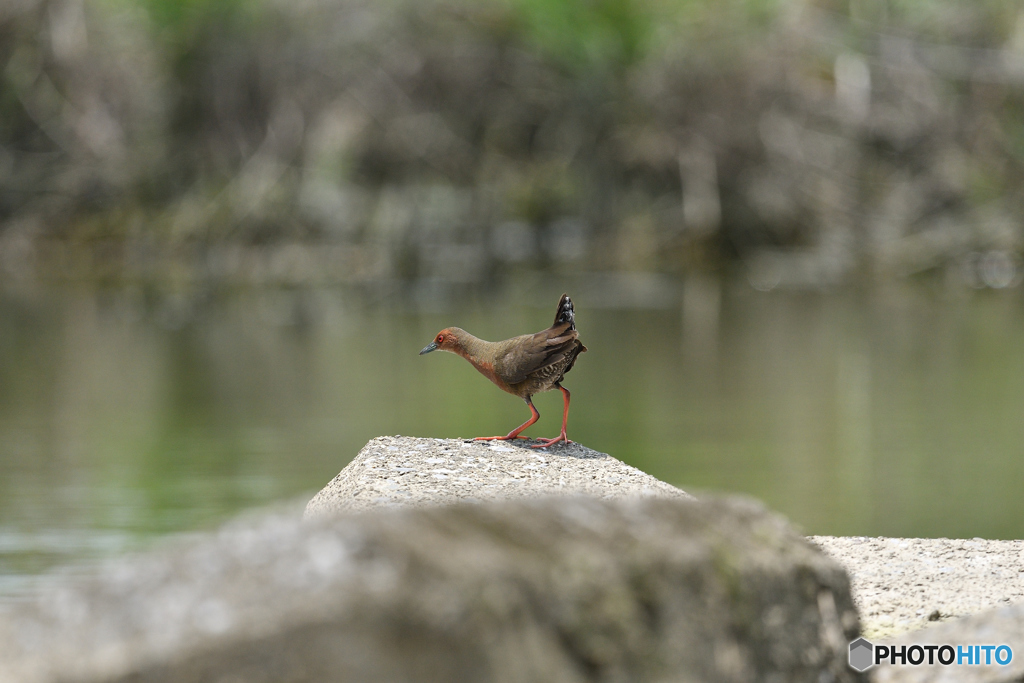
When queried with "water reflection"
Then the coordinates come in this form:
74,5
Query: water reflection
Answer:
125,416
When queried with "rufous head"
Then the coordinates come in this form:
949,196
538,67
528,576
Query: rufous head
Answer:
446,340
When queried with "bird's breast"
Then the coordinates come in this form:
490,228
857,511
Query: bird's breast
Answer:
487,370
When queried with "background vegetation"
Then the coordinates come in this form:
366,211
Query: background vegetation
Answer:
807,142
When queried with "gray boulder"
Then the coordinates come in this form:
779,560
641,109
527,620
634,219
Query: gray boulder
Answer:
904,584
554,589
397,470
1001,626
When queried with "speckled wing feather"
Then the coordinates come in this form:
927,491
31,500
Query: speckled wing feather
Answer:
533,353
545,356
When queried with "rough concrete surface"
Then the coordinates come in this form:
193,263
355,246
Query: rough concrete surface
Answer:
1001,626
396,470
556,589
903,584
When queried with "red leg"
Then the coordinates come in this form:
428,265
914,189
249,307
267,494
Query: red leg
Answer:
544,443
514,434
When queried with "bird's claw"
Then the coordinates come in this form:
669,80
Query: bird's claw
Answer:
544,443
497,438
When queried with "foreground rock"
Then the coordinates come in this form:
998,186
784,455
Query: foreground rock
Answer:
903,584
396,470
554,589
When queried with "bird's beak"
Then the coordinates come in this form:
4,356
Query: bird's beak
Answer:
432,346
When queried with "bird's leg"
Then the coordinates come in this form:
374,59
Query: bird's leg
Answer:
514,434
544,443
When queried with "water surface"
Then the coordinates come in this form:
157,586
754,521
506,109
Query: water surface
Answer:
126,416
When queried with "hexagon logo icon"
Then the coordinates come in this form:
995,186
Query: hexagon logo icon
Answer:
861,654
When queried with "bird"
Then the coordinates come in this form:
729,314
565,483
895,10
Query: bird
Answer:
523,365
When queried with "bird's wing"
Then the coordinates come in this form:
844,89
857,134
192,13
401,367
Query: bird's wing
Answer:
530,353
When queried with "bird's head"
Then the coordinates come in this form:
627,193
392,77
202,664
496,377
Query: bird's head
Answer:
447,339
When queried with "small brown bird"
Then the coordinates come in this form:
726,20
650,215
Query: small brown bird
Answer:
523,365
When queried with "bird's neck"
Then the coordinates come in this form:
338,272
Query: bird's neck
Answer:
481,354
475,350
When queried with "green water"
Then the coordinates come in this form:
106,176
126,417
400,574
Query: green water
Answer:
126,416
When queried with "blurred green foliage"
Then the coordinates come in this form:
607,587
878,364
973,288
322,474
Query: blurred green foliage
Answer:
174,18
825,139
590,33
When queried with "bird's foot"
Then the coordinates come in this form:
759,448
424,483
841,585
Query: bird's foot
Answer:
544,443
507,437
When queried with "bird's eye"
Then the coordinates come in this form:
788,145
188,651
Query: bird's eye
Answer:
440,339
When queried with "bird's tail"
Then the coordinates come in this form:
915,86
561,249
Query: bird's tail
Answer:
564,314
